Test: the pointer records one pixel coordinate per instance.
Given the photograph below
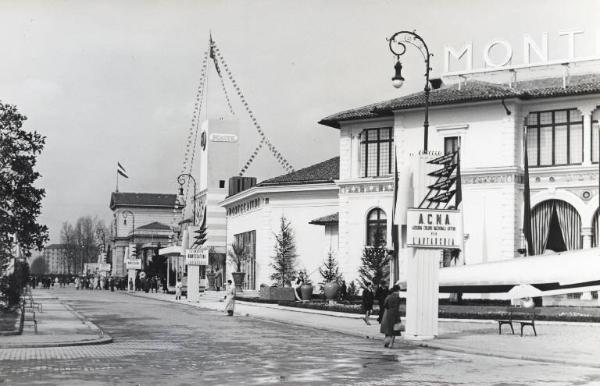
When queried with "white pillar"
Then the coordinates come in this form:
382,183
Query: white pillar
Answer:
422,289
422,276
586,233
193,283
355,159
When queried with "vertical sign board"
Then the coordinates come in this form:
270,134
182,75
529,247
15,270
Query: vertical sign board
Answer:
434,228
194,259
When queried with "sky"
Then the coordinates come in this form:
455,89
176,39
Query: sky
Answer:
115,81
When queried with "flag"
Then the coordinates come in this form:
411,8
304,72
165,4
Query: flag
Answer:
121,173
395,230
527,199
213,56
121,167
458,193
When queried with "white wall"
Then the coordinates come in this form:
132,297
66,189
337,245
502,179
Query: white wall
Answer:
299,208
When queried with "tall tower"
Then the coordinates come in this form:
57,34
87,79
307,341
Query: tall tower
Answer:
219,161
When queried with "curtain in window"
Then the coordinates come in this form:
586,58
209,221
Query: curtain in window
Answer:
595,230
570,224
540,222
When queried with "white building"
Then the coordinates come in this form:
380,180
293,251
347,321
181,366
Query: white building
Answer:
254,216
487,120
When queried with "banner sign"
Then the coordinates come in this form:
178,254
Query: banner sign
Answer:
215,137
105,267
133,263
434,228
196,257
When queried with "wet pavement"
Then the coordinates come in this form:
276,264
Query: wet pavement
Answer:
167,343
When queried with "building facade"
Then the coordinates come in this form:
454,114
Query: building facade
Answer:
55,260
146,220
488,121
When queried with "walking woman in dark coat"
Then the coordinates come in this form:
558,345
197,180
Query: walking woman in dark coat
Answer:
391,316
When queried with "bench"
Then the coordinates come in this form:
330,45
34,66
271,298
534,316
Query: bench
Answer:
29,316
523,316
28,302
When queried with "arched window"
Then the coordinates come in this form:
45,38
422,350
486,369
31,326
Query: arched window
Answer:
376,227
556,225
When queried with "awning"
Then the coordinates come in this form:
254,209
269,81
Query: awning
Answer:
171,251
330,219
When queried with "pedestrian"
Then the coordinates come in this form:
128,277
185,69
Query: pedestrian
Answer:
178,287
130,284
391,323
380,294
111,282
343,291
230,298
297,288
164,285
367,302
218,279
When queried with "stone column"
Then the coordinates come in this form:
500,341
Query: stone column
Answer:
586,233
355,158
193,283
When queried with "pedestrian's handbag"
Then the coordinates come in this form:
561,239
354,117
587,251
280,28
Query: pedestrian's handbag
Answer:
399,326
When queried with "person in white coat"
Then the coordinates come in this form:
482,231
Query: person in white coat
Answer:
230,298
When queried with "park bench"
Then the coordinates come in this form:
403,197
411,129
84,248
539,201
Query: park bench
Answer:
29,316
523,316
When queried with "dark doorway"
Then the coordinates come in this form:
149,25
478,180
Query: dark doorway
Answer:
555,242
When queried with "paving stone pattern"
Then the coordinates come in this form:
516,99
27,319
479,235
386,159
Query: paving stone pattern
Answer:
164,343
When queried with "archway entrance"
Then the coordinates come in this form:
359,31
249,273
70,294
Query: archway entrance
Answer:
556,226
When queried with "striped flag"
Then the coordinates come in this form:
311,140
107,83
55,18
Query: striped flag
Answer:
121,170
395,228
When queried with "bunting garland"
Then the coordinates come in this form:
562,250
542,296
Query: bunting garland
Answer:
218,57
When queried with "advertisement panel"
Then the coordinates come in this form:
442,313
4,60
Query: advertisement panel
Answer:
434,228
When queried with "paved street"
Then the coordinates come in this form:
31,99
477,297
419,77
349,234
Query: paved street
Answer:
159,342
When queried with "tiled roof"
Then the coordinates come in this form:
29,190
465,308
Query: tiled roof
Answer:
143,199
325,171
331,219
55,246
473,91
155,226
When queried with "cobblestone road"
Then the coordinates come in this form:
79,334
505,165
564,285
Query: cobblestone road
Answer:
159,342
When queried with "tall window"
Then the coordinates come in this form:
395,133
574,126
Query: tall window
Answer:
451,144
376,152
595,139
555,138
248,241
376,227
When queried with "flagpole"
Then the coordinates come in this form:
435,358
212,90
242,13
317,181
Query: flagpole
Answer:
117,182
462,212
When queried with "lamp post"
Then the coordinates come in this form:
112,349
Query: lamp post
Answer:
397,43
126,213
181,180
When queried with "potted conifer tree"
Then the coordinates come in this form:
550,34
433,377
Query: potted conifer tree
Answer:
238,256
330,272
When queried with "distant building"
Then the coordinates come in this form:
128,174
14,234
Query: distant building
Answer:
145,220
55,259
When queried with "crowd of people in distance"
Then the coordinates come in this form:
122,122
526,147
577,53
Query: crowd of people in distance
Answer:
100,282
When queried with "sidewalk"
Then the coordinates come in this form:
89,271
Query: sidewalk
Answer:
557,342
58,325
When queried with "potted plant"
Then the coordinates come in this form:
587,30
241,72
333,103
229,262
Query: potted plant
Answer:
331,277
306,289
237,256
210,269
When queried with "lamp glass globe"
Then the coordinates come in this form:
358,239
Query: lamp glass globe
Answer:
397,83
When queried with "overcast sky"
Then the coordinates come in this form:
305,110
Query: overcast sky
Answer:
109,81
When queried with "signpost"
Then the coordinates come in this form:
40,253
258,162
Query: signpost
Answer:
132,264
194,259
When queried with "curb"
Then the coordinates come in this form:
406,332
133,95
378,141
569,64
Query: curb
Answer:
103,338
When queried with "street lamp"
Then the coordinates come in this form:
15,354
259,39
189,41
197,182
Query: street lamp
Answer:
126,213
398,47
181,180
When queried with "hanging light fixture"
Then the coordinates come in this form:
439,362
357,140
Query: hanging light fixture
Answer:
398,80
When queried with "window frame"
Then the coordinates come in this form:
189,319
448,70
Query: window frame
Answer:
365,141
597,122
379,222
568,124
